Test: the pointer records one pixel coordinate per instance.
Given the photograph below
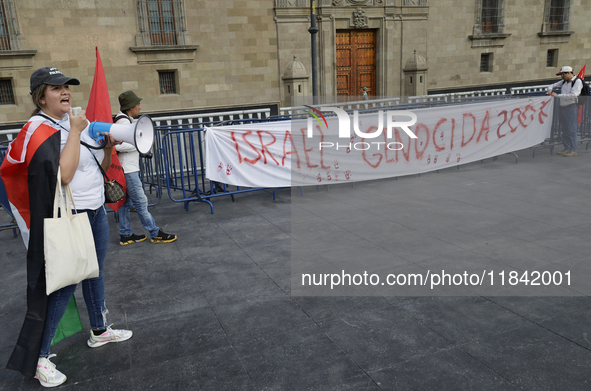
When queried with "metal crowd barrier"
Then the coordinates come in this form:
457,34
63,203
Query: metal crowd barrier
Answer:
583,129
152,170
178,164
4,205
150,167
184,169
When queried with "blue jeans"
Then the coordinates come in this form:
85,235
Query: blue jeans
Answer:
569,116
93,288
137,198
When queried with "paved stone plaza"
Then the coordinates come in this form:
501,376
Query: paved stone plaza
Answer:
214,310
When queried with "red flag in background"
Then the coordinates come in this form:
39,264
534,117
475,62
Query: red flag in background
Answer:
99,109
582,72
581,76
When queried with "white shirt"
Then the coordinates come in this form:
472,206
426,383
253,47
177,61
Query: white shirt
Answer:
129,157
569,93
87,185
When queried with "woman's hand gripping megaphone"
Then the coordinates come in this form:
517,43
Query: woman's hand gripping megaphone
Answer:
111,142
99,131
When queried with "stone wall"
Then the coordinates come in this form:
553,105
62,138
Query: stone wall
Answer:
443,32
454,58
235,51
229,57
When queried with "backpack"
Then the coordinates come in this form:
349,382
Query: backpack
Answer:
118,117
585,91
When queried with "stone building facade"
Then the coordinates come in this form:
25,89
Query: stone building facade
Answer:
219,54
185,56
462,44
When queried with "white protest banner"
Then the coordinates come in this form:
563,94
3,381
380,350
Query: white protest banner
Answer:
330,149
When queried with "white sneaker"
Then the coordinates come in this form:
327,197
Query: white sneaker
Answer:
47,374
108,336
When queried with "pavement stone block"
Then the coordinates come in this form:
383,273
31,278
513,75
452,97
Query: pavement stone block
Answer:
450,369
298,360
534,357
383,338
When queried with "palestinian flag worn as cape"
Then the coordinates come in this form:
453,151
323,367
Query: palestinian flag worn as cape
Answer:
29,173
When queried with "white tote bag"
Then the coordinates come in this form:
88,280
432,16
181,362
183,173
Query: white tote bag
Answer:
70,255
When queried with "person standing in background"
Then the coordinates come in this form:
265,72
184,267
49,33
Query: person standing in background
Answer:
570,87
129,157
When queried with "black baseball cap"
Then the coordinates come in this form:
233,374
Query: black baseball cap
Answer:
51,76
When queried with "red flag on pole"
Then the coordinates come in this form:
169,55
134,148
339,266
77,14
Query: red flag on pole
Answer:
582,72
581,76
99,109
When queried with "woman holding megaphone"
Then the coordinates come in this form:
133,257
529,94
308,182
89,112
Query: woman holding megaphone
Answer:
129,158
52,138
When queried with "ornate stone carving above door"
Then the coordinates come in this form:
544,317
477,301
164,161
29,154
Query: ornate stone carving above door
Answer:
359,19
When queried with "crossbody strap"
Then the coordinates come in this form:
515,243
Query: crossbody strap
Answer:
81,142
99,165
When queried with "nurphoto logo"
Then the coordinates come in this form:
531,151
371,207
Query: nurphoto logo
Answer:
373,131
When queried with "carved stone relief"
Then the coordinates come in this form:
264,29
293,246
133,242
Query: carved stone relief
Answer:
360,21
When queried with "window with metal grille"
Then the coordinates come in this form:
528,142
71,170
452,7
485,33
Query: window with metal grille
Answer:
557,15
8,26
489,22
552,58
167,82
486,62
489,17
162,22
6,94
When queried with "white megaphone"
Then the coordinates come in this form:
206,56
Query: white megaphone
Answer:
140,133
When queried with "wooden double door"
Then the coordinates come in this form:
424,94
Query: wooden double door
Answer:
356,63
